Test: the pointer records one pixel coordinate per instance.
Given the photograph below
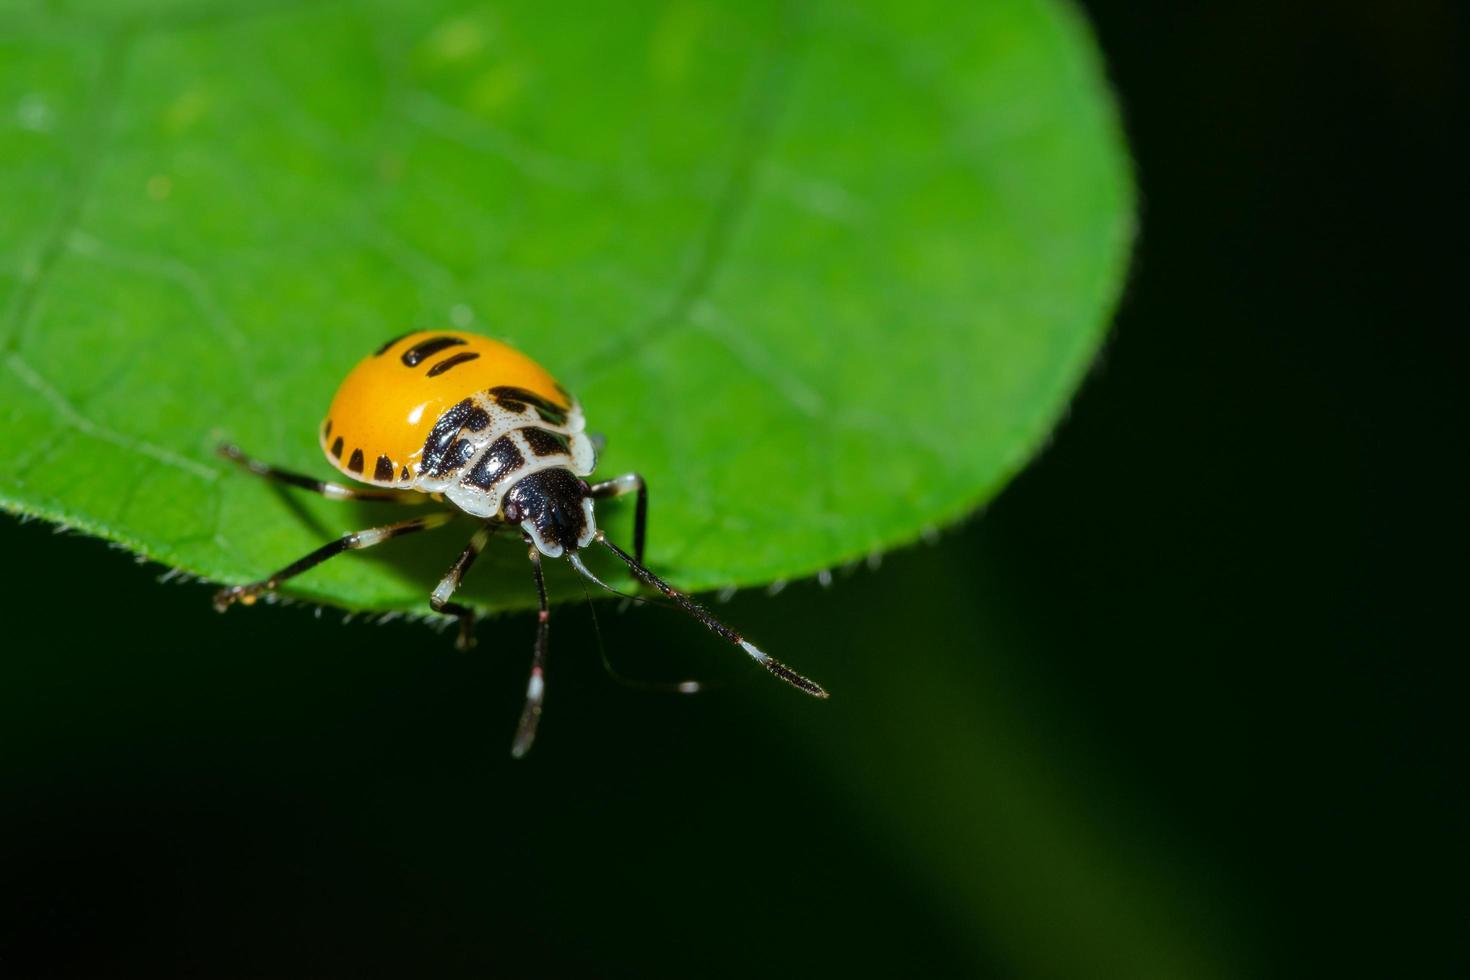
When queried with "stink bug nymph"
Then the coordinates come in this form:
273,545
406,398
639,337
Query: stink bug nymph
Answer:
461,418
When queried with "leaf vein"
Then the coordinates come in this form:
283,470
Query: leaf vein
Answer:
473,133
172,270
67,414
769,93
36,271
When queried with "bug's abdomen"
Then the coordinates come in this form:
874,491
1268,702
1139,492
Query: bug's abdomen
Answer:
391,407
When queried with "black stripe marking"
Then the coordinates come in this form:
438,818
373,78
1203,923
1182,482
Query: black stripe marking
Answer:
337,448
384,349
514,399
354,465
428,348
405,474
454,457
544,443
444,450
327,429
449,362
383,471
500,458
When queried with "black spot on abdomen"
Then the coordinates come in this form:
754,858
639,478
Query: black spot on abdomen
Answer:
500,458
444,451
514,399
451,362
428,348
545,443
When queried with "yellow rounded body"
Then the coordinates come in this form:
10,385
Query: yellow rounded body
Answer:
387,406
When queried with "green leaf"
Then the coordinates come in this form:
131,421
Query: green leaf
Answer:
826,273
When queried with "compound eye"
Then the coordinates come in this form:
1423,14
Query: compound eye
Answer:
512,512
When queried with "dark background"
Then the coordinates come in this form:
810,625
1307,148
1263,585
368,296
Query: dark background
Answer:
1179,703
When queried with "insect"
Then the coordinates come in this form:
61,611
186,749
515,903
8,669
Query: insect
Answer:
457,417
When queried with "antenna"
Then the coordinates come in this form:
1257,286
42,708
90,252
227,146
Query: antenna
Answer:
656,687
702,614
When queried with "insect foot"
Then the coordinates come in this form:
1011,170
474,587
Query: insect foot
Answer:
245,595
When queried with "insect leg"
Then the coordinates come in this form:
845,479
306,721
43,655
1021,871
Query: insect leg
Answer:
332,491
536,686
247,594
439,600
619,486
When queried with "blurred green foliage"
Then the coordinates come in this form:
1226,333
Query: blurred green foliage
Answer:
825,273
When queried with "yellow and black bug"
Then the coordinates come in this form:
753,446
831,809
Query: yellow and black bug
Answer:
462,418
